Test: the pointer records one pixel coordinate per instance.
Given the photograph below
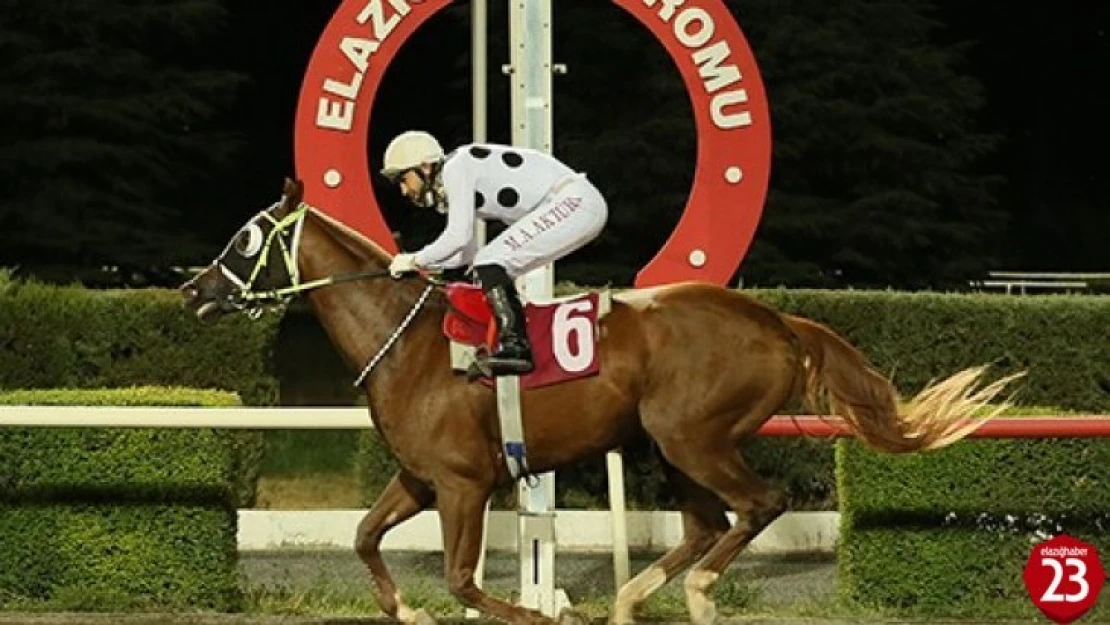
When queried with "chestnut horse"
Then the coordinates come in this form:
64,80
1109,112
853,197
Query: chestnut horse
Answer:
696,367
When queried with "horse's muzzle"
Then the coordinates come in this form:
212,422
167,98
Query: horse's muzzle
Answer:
189,292
204,306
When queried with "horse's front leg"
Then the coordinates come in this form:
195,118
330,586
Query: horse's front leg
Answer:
462,514
402,498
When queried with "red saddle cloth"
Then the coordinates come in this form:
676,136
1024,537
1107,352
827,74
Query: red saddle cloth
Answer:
563,334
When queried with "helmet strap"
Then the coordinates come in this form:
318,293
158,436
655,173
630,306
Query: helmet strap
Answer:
432,192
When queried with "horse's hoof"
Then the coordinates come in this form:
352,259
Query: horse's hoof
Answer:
423,618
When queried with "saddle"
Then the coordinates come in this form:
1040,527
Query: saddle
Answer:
564,333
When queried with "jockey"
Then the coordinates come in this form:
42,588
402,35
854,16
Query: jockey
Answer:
550,211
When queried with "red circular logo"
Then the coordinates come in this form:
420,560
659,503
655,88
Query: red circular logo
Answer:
1064,577
726,91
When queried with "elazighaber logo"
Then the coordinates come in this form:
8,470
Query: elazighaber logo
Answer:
1064,577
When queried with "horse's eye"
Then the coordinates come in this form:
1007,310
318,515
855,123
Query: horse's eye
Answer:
249,241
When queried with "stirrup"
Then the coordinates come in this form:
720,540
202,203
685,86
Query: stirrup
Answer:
492,365
509,366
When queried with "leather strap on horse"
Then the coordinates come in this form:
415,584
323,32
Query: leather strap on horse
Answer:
512,429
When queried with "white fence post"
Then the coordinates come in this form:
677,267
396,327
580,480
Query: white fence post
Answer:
531,88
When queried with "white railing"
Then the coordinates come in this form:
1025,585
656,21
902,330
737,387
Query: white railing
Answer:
234,418
1022,281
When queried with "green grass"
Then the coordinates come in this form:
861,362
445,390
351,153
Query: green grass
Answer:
309,452
735,597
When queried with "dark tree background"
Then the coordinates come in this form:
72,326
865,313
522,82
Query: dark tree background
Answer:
918,143
107,127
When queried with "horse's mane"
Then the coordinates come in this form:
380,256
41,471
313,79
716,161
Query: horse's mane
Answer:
365,248
355,242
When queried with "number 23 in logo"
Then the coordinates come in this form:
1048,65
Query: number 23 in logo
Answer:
1064,577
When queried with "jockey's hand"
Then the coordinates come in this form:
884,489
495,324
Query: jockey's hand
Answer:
402,264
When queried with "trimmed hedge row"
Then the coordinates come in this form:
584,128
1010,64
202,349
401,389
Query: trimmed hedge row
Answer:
246,447
1059,340
76,338
111,557
118,518
948,533
70,337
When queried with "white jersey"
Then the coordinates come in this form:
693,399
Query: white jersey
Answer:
508,183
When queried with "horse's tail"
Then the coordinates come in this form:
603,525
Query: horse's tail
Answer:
839,377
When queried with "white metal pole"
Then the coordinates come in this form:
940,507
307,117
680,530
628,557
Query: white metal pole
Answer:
614,464
479,47
479,63
531,77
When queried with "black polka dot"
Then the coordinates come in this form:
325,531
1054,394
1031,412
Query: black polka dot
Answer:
479,199
478,151
512,159
508,197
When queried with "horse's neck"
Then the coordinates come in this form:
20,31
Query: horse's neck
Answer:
361,315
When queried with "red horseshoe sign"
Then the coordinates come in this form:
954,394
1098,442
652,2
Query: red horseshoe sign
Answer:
726,91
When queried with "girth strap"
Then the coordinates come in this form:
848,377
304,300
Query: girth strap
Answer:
512,428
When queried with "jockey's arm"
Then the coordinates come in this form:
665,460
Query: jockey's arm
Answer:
460,258
458,234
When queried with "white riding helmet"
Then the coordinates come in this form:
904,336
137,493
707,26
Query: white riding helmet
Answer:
410,149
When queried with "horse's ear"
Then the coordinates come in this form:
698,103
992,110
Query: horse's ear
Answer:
292,195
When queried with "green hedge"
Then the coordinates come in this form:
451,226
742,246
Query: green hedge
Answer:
948,533
246,447
111,557
76,338
70,337
118,518
1058,339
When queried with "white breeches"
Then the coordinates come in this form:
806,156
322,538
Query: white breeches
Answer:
571,215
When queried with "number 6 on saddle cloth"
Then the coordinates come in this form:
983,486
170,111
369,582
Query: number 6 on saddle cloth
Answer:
563,333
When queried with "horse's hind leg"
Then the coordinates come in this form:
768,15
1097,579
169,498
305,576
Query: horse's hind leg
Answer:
703,523
402,498
715,463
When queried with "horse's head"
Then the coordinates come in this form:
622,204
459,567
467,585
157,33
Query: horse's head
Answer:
256,265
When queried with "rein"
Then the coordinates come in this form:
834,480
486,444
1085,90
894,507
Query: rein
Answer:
284,293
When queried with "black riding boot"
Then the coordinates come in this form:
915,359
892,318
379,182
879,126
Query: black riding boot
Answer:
513,353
